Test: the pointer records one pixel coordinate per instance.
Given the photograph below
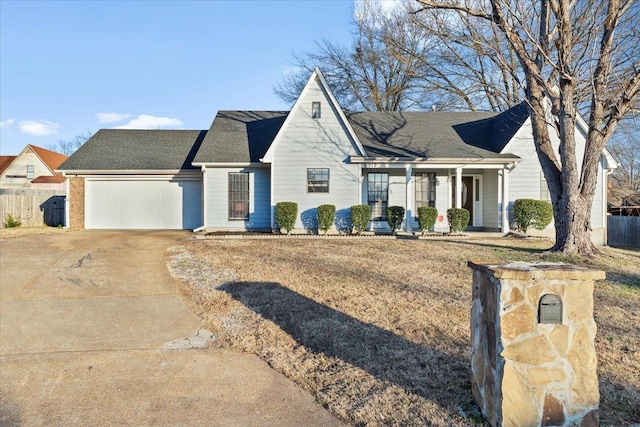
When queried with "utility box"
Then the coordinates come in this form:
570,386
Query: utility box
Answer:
533,358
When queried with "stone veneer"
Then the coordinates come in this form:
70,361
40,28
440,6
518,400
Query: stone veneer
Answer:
76,202
526,373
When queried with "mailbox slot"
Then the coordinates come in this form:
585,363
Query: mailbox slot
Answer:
550,309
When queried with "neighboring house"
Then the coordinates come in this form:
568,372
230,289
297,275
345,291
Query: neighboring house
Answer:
33,168
231,176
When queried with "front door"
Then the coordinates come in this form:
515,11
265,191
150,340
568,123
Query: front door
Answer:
467,196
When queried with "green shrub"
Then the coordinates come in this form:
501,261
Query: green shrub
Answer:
395,216
427,218
532,213
458,219
286,214
326,216
360,215
11,222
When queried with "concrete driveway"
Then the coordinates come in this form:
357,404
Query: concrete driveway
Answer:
83,316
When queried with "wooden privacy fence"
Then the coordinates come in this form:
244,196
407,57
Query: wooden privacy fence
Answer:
623,231
32,207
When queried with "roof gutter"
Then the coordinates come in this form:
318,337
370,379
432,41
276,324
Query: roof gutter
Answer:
430,160
127,171
228,164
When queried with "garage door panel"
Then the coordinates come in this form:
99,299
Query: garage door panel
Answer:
143,204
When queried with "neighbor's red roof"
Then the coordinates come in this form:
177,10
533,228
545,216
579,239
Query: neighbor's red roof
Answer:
5,161
49,179
50,158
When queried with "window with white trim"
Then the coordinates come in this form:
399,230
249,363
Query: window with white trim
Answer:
238,196
425,184
315,110
30,172
378,195
318,180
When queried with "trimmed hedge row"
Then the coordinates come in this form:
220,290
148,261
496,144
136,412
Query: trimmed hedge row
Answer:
286,214
360,215
532,213
326,216
395,216
458,219
427,218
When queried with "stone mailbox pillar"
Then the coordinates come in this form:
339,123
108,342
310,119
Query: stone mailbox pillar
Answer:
533,358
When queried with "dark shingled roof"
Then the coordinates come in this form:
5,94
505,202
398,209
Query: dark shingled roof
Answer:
240,136
125,149
245,136
437,134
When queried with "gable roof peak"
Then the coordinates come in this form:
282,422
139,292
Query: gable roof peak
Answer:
316,74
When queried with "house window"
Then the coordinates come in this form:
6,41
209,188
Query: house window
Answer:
545,194
378,195
315,110
425,190
317,180
238,196
30,172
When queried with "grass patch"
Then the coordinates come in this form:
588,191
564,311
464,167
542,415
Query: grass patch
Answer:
378,330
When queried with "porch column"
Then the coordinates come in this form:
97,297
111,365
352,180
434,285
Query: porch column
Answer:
458,188
409,199
360,183
505,199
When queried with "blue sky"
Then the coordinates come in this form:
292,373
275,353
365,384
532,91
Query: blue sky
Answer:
72,67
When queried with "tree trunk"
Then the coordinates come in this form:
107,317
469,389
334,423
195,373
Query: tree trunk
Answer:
574,236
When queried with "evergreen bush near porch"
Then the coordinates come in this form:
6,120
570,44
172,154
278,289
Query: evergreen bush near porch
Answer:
427,218
326,216
532,213
458,219
286,214
360,215
395,216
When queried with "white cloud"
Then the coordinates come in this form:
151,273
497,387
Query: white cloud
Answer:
146,121
6,123
112,117
38,128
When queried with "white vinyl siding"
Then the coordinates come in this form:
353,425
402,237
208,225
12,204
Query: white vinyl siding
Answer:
490,202
143,203
525,178
217,215
308,143
17,174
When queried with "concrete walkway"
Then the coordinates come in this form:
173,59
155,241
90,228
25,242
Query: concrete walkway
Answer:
83,318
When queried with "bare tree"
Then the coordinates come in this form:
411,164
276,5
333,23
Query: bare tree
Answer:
401,60
567,50
375,73
69,146
472,64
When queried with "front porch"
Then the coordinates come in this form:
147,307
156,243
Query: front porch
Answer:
480,187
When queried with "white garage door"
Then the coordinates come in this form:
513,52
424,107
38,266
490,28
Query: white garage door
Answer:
158,204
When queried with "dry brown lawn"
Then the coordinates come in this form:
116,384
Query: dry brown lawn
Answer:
15,232
378,330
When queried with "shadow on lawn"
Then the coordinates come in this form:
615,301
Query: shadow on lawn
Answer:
504,247
614,273
430,373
